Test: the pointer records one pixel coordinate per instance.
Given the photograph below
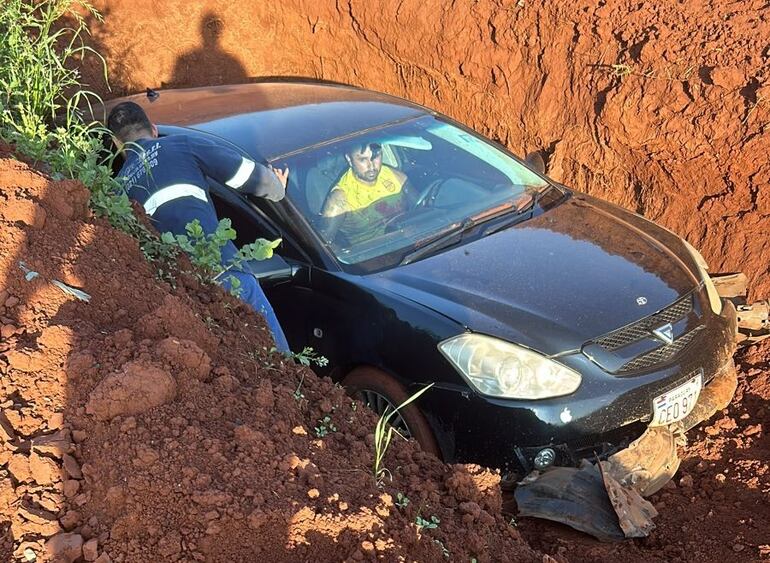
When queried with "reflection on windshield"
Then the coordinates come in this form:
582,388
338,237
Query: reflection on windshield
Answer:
377,197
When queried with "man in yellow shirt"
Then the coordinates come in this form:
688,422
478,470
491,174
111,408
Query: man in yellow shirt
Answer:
367,195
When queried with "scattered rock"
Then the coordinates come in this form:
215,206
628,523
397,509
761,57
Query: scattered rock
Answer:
64,548
70,519
37,515
7,432
7,330
79,436
140,387
71,467
186,354
91,550
71,488
19,468
56,444
752,430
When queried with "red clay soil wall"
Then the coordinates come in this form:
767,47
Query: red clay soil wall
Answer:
660,107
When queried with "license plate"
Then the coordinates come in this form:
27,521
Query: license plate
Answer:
676,404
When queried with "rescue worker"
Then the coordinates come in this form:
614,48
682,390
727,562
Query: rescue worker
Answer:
366,197
167,177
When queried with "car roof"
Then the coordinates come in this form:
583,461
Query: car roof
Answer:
274,119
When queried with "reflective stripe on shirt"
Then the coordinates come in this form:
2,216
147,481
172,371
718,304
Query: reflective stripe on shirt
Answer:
244,171
171,193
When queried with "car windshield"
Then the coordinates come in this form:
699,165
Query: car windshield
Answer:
377,197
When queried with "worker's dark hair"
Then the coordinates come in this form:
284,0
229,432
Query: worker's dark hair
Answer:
128,122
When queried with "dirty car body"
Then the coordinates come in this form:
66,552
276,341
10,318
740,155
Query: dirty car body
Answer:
550,322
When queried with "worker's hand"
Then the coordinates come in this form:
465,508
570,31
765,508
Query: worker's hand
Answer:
282,175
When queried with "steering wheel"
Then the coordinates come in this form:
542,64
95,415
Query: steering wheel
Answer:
424,198
391,222
428,193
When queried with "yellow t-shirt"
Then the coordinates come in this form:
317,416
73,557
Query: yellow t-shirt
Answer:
369,204
360,194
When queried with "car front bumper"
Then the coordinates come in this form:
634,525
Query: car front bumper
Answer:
605,415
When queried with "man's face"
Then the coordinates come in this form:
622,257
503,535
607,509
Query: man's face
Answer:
366,164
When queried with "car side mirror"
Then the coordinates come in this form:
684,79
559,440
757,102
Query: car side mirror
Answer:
536,162
272,270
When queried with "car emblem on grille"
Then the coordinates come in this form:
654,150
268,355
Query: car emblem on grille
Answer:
641,301
664,333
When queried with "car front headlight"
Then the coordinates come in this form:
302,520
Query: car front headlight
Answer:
500,369
714,299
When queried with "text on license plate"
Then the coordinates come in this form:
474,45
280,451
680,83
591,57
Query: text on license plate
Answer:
676,404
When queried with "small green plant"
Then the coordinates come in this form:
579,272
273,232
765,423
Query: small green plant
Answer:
402,501
298,395
444,550
205,251
308,356
325,426
423,524
383,434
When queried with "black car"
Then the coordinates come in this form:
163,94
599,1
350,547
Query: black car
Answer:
554,326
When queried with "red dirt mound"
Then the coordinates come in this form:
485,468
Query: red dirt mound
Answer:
151,424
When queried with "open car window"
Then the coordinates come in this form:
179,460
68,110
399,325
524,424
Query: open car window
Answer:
431,175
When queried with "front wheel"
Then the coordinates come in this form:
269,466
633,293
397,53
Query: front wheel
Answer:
381,393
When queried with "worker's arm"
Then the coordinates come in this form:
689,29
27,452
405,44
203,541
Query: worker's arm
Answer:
227,166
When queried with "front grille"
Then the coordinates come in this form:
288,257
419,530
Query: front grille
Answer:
643,328
660,355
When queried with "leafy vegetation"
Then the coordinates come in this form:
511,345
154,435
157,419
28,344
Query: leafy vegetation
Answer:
325,426
423,524
49,117
205,251
42,105
309,356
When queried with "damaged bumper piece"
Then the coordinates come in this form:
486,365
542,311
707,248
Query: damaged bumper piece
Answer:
753,318
605,499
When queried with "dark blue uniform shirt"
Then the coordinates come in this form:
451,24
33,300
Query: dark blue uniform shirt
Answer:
167,176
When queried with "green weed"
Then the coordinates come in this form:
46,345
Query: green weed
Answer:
308,356
383,434
325,426
298,395
44,108
423,524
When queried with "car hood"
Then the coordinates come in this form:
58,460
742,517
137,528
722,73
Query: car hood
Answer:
570,274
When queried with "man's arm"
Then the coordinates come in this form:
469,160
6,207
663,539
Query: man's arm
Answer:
227,166
333,213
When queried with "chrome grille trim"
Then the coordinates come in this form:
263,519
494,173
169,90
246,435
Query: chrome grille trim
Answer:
660,355
642,328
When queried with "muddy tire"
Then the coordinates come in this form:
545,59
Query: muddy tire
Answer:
379,391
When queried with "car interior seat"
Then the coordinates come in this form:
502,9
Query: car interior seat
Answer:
320,180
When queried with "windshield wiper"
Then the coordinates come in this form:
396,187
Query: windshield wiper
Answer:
449,236
454,233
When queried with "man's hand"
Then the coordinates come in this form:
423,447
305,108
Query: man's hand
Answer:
282,175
